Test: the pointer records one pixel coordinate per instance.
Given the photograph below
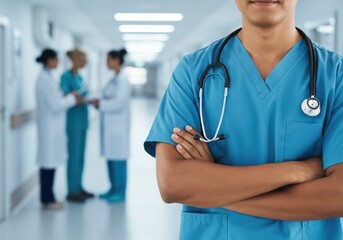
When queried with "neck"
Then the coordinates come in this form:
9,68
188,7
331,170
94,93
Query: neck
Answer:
117,69
74,70
272,42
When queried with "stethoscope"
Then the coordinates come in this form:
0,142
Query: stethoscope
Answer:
310,106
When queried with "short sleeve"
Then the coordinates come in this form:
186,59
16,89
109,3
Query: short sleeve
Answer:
64,84
333,135
177,109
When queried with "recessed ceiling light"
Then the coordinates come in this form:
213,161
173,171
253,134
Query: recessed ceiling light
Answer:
147,28
148,17
145,37
145,44
139,55
142,58
132,49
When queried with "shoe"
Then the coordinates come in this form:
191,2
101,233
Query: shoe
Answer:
116,198
87,194
76,198
52,206
106,194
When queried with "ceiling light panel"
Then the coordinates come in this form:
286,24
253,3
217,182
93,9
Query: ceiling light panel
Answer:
146,28
147,17
146,37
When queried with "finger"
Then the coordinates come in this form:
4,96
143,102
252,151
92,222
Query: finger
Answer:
186,136
189,137
192,150
183,152
192,131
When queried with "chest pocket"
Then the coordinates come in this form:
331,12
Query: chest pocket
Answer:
302,141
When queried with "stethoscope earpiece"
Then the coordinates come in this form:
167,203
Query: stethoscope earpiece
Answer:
311,106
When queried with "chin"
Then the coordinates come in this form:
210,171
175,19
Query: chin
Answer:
262,20
265,24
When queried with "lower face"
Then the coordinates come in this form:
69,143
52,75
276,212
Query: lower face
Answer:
53,63
112,63
266,13
80,63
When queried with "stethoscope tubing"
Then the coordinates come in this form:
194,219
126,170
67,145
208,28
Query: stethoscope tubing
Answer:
308,108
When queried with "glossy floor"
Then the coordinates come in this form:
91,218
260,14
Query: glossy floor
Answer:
143,217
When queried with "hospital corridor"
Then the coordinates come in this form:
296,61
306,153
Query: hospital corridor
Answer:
138,218
171,120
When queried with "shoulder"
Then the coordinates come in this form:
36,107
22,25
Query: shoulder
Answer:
206,54
123,77
331,65
193,63
44,80
66,75
43,76
329,59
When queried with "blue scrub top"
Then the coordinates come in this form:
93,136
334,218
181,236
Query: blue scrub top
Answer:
77,116
263,123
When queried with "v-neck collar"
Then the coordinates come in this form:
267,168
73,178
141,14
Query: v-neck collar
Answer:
264,87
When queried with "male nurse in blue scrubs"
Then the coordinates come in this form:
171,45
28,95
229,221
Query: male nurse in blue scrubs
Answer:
278,173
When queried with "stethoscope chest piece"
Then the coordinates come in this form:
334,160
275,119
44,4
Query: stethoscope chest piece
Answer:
311,106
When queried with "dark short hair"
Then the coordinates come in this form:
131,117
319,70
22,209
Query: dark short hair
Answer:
118,54
46,55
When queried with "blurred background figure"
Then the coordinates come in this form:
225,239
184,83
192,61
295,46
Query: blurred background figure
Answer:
51,110
114,107
77,124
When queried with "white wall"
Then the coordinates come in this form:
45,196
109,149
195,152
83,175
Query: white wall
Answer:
21,151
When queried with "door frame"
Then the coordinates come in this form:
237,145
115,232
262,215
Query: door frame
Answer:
4,78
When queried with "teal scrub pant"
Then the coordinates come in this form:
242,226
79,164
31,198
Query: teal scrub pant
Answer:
76,159
117,175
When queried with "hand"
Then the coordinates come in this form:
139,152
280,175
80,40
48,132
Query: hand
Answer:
95,102
312,169
188,147
79,100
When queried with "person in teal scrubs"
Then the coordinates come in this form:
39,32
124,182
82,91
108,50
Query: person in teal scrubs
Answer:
77,124
278,172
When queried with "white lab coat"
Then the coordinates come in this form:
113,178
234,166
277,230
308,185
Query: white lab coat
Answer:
115,118
51,120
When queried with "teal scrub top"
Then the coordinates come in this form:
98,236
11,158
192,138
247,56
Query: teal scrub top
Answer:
263,123
77,116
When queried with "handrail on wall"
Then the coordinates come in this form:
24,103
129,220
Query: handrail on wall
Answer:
20,118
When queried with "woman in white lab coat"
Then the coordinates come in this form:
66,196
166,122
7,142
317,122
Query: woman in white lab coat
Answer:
51,110
114,107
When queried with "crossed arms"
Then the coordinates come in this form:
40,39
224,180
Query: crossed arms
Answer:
187,174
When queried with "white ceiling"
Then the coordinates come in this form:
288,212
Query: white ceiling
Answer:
93,20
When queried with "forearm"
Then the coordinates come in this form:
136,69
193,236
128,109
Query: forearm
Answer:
204,184
317,199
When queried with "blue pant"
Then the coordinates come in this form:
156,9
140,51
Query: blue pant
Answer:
76,159
46,178
117,176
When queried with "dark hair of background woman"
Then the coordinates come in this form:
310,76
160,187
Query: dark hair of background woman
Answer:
46,55
118,54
